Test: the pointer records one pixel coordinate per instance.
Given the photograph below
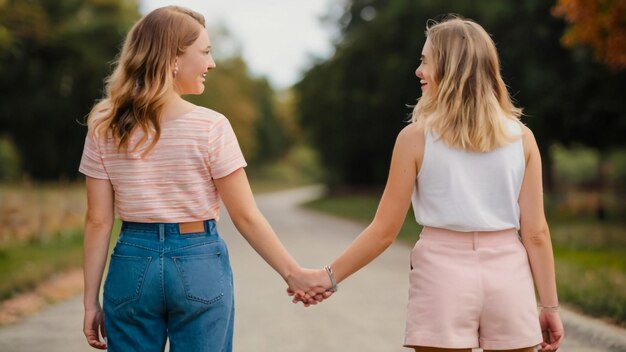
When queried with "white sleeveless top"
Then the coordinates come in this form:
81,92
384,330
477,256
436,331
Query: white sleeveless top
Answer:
468,191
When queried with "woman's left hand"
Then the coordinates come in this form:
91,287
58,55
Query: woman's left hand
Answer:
552,330
309,286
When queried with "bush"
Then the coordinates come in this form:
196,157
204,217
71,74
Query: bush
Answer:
617,170
575,165
10,165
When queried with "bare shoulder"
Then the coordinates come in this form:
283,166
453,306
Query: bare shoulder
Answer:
410,144
411,137
529,142
527,133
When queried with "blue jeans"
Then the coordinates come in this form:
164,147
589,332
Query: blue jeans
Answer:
162,284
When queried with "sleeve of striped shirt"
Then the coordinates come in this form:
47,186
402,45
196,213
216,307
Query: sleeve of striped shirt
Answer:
91,163
225,154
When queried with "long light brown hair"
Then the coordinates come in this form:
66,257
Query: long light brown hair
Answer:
470,105
144,73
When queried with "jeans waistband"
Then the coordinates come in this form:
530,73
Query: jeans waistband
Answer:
206,226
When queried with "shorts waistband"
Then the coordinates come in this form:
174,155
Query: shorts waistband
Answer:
181,228
475,239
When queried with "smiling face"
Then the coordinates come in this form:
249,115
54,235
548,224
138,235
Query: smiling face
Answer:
426,70
193,65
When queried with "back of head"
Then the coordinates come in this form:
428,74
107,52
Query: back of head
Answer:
136,90
470,104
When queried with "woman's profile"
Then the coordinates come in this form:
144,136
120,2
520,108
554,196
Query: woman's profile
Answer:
161,165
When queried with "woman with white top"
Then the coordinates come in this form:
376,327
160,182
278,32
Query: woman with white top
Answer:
473,174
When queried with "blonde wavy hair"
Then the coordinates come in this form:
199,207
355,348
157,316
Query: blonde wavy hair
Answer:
470,104
143,75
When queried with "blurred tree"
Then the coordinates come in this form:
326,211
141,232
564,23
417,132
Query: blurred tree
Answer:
54,55
569,98
10,168
354,104
600,24
250,105
271,135
285,109
230,90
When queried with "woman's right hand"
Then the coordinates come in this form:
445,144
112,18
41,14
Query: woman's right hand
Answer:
309,286
93,327
551,329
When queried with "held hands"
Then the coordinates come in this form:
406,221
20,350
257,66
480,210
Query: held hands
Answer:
552,330
309,286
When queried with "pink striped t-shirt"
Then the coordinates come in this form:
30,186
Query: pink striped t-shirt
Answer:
174,182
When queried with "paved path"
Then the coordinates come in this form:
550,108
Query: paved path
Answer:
366,315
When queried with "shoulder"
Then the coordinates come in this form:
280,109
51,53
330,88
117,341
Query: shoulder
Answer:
98,115
207,119
412,136
529,142
410,143
209,115
527,135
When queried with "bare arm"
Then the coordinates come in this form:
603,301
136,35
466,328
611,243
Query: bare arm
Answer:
536,239
534,227
236,194
98,226
382,231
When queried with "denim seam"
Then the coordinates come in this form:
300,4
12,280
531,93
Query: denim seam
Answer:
131,230
162,233
138,246
192,246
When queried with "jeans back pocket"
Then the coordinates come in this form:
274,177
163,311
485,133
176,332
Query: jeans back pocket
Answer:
202,276
125,278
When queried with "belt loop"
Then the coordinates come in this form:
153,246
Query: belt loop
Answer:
161,232
474,240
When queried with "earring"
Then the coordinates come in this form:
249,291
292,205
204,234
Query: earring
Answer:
175,71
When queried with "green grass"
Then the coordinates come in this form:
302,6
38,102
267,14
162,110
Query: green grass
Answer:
299,167
362,208
592,283
590,260
261,186
590,257
24,265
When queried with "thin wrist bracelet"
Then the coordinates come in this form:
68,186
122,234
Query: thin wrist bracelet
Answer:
333,282
551,308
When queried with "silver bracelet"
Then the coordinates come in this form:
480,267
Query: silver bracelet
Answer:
333,282
550,308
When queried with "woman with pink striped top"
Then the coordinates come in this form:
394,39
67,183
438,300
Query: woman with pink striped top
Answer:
162,164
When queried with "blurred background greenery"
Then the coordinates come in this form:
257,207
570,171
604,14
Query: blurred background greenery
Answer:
563,60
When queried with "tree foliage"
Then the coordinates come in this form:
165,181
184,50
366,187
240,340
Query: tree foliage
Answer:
354,104
54,57
55,54
600,24
250,105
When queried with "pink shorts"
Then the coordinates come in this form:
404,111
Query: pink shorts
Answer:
471,289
